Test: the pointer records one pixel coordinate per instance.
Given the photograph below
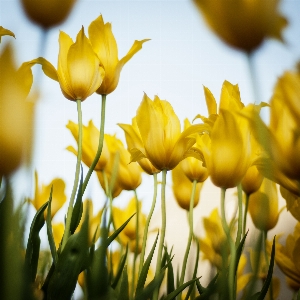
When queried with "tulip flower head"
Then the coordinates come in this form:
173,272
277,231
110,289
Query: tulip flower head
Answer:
104,44
47,13
79,70
243,24
89,145
163,143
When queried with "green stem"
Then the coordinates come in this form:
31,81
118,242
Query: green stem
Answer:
136,250
191,233
76,180
163,229
254,82
100,145
240,216
142,255
265,237
231,273
245,214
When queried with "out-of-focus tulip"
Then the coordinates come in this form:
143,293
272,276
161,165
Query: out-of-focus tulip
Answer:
128,175
287,258
128,234
263,206
134,140
47,13
16,113
292,202
252,180
79,70
182,188
104,44
90,142
163,142
243,24
42,195
58,232
4,31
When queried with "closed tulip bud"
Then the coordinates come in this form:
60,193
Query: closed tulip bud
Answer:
252,180
47,13
263,206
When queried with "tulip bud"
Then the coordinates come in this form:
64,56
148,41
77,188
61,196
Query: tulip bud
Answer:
47,13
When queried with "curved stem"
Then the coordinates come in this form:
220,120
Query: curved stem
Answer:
245,214
142,255
254,83
163,228
76,180
191,233
240,216
231,273
100,145
136,250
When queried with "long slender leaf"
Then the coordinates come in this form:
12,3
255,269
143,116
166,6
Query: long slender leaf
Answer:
120,269
49,230
170,275
261,295
145,269
124,286
34,241
179,289
239,251
116,233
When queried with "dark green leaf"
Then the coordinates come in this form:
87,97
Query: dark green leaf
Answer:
239,251
49,230
120,269
34,241
179,289
145,269
170,275
124,286
116,233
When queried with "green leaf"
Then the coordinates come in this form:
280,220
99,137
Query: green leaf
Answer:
78,207
170,275
239,251
120,269
116,233
49,230
145,269
179,289
195,271
71,262
124,286
34,241
261,295
209,290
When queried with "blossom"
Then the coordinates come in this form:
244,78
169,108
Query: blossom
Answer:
182,188
104,44
16,113
243,24
47,13
128,234
42,194
4,31
292,202
263,206
134,140
252,180
79,72
163,143
287,258
89,145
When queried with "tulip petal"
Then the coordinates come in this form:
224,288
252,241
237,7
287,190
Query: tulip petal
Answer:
4,31
47,67
83,68
210,101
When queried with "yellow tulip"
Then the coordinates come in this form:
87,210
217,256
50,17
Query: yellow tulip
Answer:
263,206
252,180
4,31
16,113
104,44
128,234
42,195
134,140
58,230
89,145
287,258
79,72
292,202
163,142
243,24
47,13
182,188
